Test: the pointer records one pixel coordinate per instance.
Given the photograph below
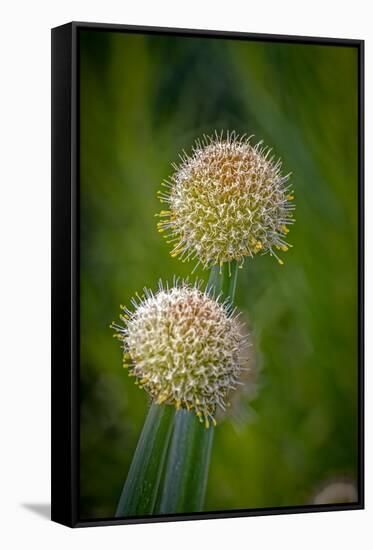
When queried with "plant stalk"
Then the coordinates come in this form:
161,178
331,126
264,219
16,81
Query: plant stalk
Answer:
141,487
188,461
187,465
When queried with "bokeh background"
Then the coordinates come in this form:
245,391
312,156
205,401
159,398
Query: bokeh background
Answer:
142,100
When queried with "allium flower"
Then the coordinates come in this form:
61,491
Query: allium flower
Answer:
337,492
228,200
184,347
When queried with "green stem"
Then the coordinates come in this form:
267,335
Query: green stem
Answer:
185,477
187,466
233,281
223,279
141,487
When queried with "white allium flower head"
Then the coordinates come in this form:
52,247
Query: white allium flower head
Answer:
226,201
337,492
184,347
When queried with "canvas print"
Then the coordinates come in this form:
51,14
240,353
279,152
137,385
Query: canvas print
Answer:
218,238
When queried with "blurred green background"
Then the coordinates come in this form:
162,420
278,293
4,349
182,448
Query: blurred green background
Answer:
142,100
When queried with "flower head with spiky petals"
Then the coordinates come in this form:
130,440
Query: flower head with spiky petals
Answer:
227,201
184,347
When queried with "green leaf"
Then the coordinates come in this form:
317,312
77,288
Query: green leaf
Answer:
185,477
141,487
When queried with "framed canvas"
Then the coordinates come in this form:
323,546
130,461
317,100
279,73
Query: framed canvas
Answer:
207,212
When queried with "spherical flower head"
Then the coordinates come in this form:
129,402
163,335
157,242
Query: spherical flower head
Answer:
184,347
227,201
337,492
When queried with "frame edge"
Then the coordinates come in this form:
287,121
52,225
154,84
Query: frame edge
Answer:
61,373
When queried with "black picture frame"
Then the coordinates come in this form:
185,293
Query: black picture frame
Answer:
65,272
